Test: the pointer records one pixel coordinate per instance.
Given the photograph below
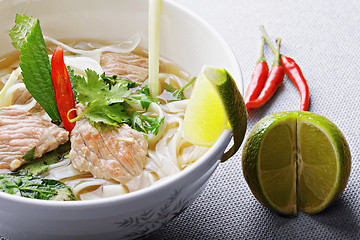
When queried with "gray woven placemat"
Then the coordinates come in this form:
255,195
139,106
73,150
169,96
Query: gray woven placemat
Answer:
322,36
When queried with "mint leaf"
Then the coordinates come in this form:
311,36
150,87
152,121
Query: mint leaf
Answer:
20,31
29,155
35,187
35,64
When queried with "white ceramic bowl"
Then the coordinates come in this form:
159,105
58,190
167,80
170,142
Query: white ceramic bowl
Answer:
185,39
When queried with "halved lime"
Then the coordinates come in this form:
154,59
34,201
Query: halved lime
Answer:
215,104
296,160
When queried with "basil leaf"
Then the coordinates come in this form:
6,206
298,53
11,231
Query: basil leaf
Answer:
41,165
35,187
29,155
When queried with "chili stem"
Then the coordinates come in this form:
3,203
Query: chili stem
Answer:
268,41
277,55
262,56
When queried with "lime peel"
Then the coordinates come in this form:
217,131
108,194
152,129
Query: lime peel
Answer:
317,149
215,105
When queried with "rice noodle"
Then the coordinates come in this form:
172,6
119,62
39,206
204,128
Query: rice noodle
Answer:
80,64
119,47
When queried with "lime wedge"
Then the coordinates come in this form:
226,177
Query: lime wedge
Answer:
215,104
296,160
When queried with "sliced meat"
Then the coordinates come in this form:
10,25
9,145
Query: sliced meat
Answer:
117,153
20,131
127,65
22,96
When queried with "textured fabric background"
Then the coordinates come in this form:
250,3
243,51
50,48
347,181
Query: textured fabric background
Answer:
323,37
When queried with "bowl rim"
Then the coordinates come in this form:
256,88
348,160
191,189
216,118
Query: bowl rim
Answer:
224,138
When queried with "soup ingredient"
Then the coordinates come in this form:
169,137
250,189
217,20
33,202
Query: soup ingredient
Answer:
126,65
275,78
21,131
35,65
35,187
41,164
258,77
107,103
296,160
215,105
294,73
110,153
62,87
154,45
10,82
179,93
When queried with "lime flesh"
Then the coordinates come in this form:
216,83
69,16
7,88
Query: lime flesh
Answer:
296,160
215,105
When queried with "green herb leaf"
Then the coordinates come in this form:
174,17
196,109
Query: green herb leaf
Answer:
171,89
29,155
35,65
178,94
109,114
107,99
35,187
94,90
103,104
41,165
115,79
20,31
145,99
146,124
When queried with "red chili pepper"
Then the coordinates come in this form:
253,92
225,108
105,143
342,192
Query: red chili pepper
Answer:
258,77
275,78
62,87
294,73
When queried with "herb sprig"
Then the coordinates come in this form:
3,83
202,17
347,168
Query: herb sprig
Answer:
107,101
35,187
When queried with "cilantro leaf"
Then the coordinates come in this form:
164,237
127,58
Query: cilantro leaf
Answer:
178,94
103,104
115,79
146,124
109,114
171,89
145,99
107,102
35,65
93,89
